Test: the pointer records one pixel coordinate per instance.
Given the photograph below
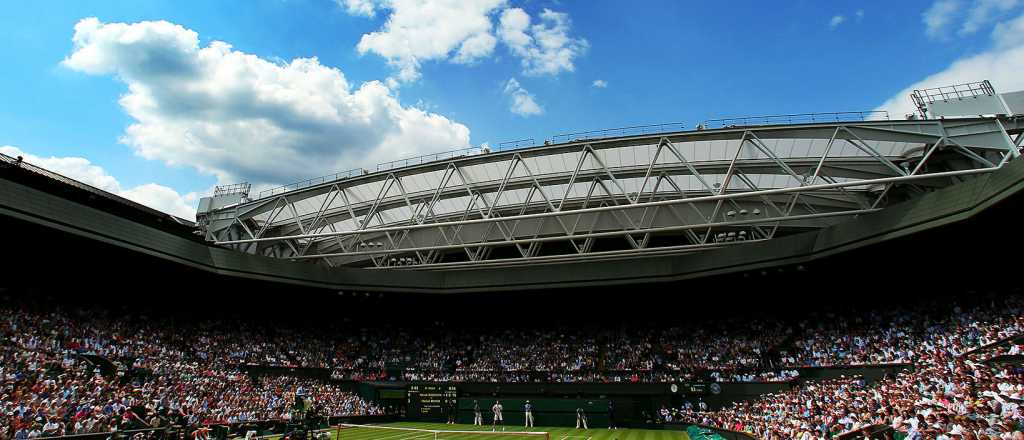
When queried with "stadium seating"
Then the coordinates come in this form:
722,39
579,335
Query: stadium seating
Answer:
68,370
952,392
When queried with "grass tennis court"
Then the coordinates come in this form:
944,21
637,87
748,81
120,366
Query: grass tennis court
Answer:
369,433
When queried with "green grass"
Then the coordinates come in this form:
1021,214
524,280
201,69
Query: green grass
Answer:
555,433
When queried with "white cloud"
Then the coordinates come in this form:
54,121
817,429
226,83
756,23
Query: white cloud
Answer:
600,83
475,48
153,195
1001,64
164,199
836,21
513,27
939,16
365,8
461,32
544,48
523,103
982,12
859,14
241,117
425,30
1009,34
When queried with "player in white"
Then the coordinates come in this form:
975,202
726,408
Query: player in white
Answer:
528,410
581,418
497,416
478,418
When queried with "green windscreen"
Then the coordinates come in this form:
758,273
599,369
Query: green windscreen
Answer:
539,405
391,394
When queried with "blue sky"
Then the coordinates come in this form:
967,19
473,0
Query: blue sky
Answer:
129,102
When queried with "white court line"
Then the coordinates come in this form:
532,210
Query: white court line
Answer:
426,434
414,436
406,436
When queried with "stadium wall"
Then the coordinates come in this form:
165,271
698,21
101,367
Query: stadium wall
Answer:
703,432
546,411
555,403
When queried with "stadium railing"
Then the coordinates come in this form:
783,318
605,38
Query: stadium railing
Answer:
635,130
310,182
426,158
703,432
989,346
171,432
605,133
955,91
873,432
796,118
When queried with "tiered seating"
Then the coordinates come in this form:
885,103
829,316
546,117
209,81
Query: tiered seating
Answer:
55,362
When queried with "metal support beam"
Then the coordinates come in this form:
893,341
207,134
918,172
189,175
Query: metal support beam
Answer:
642,190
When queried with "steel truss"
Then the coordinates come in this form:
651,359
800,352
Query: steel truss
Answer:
663,193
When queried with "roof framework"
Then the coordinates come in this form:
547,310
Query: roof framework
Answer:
660,193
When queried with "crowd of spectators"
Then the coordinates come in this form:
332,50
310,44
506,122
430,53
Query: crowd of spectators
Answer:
878,338
726,350
950,393
755,376
556,354
722,351
67,371
727,344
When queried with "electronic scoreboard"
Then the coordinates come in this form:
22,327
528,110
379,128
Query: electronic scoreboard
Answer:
427,401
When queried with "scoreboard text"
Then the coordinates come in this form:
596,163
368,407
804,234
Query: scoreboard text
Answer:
428,401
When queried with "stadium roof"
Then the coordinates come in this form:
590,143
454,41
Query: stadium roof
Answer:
60,234
676,192
599,208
